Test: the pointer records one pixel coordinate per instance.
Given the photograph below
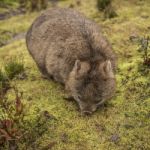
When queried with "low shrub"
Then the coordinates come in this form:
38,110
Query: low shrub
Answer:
34,5
107,8
109,12
143,48
4,83
103,4
17,129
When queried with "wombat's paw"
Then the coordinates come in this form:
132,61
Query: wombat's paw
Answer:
68,98
103,105
44,77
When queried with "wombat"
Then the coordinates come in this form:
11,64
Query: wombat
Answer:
71,49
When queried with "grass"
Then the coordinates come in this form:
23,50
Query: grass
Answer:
14,68
9,3
15,25
18,23
3,10
124,123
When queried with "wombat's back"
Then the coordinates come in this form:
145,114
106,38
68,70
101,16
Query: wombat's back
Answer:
60,36
59,27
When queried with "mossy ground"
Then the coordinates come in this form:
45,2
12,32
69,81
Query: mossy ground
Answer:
124,123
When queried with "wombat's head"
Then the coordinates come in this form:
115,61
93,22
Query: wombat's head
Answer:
90,84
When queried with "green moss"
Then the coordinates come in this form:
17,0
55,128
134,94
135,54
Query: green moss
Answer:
13,26
124,122
18,23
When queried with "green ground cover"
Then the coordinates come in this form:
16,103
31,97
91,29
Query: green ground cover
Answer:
124,123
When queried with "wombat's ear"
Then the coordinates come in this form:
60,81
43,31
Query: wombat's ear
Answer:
77,65
80,68
107,70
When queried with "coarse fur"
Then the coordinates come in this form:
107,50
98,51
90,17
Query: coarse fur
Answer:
71,49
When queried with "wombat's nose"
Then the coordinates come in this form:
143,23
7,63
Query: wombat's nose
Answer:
87,112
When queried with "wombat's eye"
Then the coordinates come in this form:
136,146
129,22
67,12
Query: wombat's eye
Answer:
105,79
97,100
87,81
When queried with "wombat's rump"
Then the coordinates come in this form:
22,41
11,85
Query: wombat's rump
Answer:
72,50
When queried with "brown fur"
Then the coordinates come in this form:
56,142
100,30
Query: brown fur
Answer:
71,48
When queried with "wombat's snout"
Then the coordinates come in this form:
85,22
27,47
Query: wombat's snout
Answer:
88,110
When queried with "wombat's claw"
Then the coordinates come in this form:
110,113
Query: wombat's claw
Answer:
79,96
86,113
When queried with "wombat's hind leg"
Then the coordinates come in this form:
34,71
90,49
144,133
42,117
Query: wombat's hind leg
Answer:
44,74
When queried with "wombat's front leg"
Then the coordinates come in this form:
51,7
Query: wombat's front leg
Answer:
48,77
68,98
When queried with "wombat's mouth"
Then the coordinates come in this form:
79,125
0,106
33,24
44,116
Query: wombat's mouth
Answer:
84,108
87,109
86,113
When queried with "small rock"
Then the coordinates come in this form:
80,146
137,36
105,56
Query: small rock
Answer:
114,138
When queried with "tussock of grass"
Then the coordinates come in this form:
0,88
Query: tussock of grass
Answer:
124,122
14,68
